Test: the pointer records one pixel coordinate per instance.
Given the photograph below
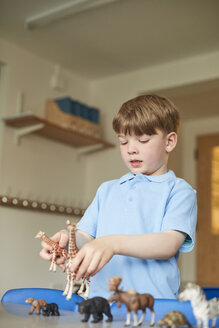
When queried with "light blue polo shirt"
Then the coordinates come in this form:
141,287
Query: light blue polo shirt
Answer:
137,204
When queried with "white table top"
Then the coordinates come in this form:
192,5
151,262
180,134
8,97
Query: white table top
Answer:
16,316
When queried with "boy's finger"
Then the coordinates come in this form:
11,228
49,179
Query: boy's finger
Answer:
92,266
76,263
62,266
81,273
46,246
86,268
45,255
99,267
61,238
60,260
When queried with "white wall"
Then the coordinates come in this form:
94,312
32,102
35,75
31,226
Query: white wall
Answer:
37,168
21,265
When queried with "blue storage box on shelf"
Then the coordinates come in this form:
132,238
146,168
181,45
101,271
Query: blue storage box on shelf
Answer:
76,107
93,115
84,110
71,114
65,104
71,106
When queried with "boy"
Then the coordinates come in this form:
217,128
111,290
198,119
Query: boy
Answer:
136,225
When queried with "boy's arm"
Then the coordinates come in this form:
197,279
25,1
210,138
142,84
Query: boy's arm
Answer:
161,245
95,254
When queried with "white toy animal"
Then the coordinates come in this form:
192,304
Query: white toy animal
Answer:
203,310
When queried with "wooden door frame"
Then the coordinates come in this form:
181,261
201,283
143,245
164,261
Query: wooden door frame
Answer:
205,239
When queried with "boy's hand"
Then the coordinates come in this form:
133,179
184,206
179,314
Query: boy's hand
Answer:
92,257
61,238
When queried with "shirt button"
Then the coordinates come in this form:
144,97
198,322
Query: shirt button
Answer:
130,199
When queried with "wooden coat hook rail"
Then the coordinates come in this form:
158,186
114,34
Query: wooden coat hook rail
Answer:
45,207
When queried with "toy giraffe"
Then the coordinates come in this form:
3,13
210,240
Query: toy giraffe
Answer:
72,251
56,249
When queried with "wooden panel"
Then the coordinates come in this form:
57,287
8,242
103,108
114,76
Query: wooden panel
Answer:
207,266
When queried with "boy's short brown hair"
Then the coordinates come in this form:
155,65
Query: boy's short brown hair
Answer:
145,114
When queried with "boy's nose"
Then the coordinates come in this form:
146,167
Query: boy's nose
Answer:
132,152
132,149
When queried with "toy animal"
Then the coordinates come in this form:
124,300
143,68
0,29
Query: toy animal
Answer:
173,319
51,308
72,251
133,301
95,306
56,249
35,304
203,310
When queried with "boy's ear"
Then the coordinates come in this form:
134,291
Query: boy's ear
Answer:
171,141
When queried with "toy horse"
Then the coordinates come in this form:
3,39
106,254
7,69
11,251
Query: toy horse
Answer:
133,301
203,310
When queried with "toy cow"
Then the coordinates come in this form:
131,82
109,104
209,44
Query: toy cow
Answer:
51,308
35,304
95,306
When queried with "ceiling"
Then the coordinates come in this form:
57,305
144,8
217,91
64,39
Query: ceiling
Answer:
116,36
197,100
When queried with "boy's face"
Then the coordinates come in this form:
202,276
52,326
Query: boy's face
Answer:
147,154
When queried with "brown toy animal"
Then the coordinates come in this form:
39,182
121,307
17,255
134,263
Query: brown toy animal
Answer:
133,301
56,249
72,252
35,304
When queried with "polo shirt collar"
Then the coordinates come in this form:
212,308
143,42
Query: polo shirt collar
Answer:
153,178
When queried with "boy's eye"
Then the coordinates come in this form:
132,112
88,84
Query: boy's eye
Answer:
143,140
123,142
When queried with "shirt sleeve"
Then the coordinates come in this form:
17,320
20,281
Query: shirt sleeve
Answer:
181,213
88,222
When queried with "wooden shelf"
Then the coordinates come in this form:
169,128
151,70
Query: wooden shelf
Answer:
52,131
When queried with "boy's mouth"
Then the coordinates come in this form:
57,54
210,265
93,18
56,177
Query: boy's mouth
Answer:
135,163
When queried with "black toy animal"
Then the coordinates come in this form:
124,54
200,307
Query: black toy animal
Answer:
51,308
95,306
